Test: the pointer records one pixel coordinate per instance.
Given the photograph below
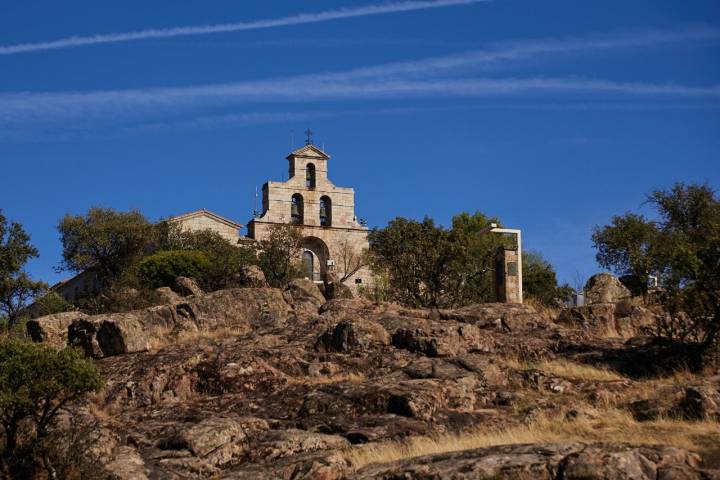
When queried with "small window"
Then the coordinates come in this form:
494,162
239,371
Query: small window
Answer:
358,280
325,211
297,209
310,176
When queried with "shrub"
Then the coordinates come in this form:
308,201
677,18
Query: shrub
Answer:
51,303
162,268
36,382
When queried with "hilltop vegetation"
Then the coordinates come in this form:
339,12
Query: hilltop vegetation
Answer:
255,373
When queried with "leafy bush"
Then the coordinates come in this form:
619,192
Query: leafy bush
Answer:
430,266
279,253
540,280
51,303
36,382
682,249
226,260
162,268
17,289
105,240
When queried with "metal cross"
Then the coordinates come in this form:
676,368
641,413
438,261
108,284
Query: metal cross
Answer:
309,134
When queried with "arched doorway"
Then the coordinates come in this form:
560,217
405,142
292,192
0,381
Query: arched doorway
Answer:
314,257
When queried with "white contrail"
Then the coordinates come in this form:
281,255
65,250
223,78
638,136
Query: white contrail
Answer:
298,19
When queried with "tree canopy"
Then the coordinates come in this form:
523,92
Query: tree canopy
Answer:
682,248
426,265
36,382
16,286
278,255
105,240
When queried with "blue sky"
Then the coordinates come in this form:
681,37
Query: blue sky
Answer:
552,115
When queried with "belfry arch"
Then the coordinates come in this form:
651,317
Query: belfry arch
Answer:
315,267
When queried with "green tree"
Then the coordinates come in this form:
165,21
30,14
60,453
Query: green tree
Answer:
429,266
540,280
36,382
474,268
16,287
682,247
49,304
279,255
162,268
106,241
225,259
626,247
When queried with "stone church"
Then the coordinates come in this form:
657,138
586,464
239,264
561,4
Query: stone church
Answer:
333,238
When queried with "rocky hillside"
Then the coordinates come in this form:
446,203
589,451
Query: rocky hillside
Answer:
257,383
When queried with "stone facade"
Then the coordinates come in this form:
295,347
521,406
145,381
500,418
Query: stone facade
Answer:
323,212
206,220
508,276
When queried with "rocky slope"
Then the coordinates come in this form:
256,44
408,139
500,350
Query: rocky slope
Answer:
264,383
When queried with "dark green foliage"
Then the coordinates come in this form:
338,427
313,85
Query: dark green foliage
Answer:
278,255
49,304
16,287
36,382
225,259
682,248
429,266
540,281
162,268
106,241
626,247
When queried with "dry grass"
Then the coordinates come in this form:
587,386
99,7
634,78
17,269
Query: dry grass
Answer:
545,311
566,368
606,425
162,338
335,378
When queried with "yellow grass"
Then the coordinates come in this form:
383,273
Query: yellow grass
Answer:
335,378
566,368
545,311
606,425
163,337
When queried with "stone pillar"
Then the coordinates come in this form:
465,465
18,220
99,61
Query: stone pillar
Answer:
507,276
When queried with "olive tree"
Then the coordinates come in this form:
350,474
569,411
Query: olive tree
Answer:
681,246
17,289
36,382
104,240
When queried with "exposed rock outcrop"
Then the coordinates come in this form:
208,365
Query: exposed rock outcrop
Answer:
52,329
605,288
569,461
185,286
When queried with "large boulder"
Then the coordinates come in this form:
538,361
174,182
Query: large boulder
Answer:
239,309
435,339
701,403
348,335
218,440
166,295
252,276
622,319
305,296
605,288
127,465
52,329
187,286
544,461
500,316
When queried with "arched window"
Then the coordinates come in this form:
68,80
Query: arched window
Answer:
325,211
308,264
297,209
310,175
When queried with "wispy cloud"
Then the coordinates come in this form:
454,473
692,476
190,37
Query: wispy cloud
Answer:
299,19
439,77
32,106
